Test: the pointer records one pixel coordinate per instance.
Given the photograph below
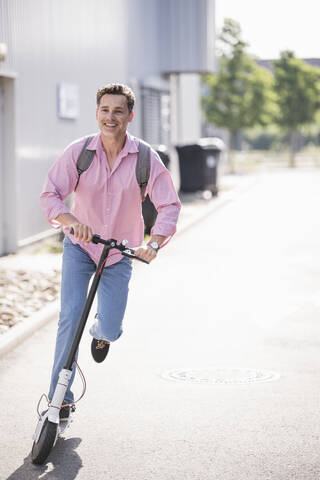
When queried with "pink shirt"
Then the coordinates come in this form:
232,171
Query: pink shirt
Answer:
109,201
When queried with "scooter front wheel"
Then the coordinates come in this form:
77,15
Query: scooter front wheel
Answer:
42,448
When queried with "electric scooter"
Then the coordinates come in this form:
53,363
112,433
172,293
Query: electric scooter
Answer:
49,426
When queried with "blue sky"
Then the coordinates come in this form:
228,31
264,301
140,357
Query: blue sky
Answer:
270,26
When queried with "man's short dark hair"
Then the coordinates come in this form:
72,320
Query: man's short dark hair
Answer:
117,89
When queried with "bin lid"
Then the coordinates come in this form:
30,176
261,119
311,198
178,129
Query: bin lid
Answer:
212,142
160,148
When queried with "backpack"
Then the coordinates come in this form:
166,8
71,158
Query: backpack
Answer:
142,167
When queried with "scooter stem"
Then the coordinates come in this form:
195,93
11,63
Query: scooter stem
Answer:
58,396
86,310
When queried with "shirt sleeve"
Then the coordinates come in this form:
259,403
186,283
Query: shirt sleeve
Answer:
163,195
60,182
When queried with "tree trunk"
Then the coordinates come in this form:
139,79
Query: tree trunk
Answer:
232,149
293,148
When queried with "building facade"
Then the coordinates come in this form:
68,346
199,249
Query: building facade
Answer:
55,54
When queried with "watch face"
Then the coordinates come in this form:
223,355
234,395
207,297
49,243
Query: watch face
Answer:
154,245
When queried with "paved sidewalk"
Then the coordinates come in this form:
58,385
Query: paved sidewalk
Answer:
216,376
194,209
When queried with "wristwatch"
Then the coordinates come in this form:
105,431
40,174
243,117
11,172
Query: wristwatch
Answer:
154,245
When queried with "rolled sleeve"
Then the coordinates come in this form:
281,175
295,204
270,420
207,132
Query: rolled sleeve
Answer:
165,199
60,182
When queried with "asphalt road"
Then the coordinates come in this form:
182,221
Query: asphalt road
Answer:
240,291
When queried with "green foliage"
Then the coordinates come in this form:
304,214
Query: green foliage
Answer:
230,39
297,87
269,137
273,137
273,110
263,138
240,95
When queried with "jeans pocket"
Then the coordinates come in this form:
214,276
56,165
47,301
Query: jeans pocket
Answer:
67,242
127,261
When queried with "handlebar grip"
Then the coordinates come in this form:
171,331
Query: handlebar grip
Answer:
141,260
134,257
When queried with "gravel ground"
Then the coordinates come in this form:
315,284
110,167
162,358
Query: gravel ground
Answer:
22,295
24,291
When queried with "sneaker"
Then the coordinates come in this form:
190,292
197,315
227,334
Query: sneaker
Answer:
99,349
65,412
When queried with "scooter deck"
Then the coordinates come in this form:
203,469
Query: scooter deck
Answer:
63,425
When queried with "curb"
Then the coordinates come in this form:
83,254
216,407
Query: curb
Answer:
20,332
214,204
206,211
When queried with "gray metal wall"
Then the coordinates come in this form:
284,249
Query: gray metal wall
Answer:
86,44
50,42
171,36
187,40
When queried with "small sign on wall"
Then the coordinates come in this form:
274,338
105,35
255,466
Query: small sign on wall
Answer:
68,101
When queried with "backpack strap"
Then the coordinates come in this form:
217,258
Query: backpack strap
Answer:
143,167
85,158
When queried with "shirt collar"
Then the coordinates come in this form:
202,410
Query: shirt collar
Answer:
131,144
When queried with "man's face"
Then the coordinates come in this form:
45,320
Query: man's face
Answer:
113,115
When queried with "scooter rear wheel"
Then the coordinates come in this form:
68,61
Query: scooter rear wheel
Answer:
42,448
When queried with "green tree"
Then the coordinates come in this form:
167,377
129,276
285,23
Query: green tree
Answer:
240,95
297,87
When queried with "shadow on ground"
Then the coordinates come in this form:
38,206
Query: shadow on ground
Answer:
63,463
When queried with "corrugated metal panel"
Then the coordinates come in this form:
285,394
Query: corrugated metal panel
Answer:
187,35
155,116
151,115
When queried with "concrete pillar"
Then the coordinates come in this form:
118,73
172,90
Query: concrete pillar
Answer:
8,176
185,91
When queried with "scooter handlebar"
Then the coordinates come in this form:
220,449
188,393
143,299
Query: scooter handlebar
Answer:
125,251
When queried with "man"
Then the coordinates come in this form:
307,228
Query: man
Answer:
107,201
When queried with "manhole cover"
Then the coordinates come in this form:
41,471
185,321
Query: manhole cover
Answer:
221,376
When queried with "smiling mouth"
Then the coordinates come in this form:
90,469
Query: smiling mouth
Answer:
110,125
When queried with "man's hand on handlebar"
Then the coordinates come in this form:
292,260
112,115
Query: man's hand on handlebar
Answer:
82,232
146,253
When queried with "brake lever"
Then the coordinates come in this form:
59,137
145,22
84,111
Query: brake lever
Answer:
128,253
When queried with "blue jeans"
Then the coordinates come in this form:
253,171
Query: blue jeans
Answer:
77,269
